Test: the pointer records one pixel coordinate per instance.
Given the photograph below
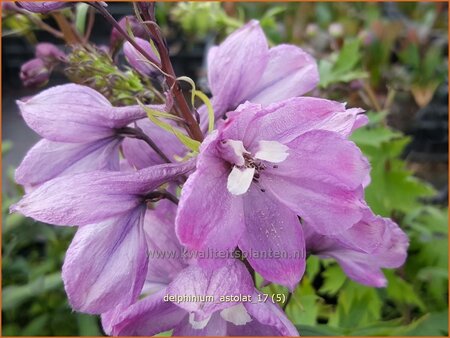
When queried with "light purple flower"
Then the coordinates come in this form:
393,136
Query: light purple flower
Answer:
354,250
153,314
243,68
137,60
42,6
261,169
80,130
106,263
34,73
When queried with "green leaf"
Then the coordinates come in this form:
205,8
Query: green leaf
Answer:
334,279
80,19
348,57
14,296
88,325
402,291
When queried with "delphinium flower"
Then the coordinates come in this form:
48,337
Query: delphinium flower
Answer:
264,167
81,131
106,262
244,68
173,277
278,174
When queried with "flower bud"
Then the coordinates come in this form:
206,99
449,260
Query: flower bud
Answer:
34,73
137,60
49,53
131,21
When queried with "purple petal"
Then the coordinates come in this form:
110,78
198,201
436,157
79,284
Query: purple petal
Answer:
74,113
322,155
272,320
321,180
236,66
208,215
106,264
47,160
139,154
230,279
290,72
137,60
271,228
285,121
165,252
147,317
75,199
360,266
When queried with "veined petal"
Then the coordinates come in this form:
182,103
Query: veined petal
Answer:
230,279
164,250
208,215
75,199
290,72
274,237
47,160
363,267
236,66
272,320
146,317
137,60
287,120
322,155
75,113
106,264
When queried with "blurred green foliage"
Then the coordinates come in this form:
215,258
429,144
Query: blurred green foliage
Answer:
367,54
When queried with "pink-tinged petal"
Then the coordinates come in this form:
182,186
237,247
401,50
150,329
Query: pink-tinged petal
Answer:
230,279
272,320
325,156
147,317
137,60
216,327
365,268
75,113
164,250
236,66
273,236
140,155
329,209
75,199
394,249
285,121
208,215
290,72
47,160
106,264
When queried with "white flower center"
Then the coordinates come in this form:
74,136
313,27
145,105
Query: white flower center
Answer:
247,168
236,314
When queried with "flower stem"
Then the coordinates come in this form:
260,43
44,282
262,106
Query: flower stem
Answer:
139,134
191,124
